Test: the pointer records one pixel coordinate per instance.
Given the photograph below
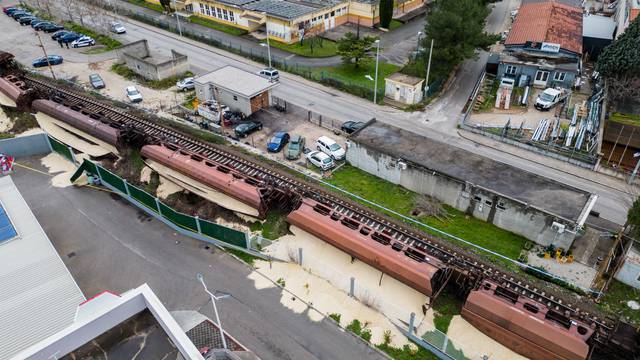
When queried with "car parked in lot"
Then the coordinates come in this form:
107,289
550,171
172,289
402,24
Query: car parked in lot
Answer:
295,148
96,81
244,129
270,73
10,10
20,14
186,84
53,60
70,37
51,27
35,23
350,127
83,41
278,141
328,146
133,94
60,34
320,159
117,28
26,20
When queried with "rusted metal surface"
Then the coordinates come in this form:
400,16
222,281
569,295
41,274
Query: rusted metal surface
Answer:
526,326
80,121
217,176
16,90
375,248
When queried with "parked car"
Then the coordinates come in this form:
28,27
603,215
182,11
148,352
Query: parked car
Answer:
96,81
133,94
20,14
26,20
83,41
70,37
117,28
270,73
351,126
10,9
328,146
60,34
295,148
320,159
53,60
51,27
231,117
278,141
35,23
244,129
549,98
186,84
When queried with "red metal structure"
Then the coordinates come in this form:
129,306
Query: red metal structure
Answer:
525,326
408,265
219,177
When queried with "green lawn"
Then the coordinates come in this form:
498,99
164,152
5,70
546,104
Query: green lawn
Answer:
274,226
395,24
352,75
105,40
615,301
401,200
445,307
311,47
629,119
217,26
148,5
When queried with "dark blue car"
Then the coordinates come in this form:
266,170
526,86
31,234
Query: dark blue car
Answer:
53,60
69,37
278,141
60,34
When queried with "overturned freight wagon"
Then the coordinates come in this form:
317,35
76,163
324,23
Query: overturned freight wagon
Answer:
14,92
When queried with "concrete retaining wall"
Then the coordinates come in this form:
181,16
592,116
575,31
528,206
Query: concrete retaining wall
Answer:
25,146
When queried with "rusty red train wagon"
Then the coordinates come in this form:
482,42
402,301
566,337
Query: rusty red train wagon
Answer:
219,177
406,264
78,120
525,326
15,89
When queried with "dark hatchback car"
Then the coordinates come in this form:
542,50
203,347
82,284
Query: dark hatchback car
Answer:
49,28
26,20
37,25
53,60
10,10
69,37
20,14
96,81
244,129
351,126
60,34
278,141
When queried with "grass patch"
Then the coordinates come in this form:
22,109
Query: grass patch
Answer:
274,226
231,30
407,353
360,329
445,307
457,223
22,120
336,317
125,72
148,5
247,258
628,119
311,47
188,100
6,136
395,24
105,40
615,301
352,75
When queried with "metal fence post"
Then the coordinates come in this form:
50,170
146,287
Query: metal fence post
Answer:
300,256
352,287
73,156
198,224
444,344
48,142
126,187
412,320
247,240
158,206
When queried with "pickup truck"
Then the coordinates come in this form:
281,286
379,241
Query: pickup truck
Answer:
550,97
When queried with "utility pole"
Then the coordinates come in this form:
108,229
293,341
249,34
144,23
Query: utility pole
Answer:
45,55
418,46
426,89
375,82
266,26
175,12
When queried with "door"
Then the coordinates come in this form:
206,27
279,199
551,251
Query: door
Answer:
541,78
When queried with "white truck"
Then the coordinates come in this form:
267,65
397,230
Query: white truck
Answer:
550,97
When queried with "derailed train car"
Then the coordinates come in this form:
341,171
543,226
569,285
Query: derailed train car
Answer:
375,248
16,90
525,326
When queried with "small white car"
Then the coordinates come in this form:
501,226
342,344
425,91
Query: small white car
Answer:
320,159
117,28
330,147
270,73
133,94
186,84
83,41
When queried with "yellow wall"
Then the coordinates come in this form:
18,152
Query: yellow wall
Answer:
153,1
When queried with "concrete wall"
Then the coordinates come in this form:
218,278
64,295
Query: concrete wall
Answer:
629,272
137,57
235,102
484,204
36,144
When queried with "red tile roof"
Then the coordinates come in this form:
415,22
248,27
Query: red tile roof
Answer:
634,14
548,21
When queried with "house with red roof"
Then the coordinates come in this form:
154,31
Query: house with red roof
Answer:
544,46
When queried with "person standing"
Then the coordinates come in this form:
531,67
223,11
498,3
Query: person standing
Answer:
66,43
60,43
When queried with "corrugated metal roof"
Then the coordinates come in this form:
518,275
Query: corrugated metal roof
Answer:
280,8
39,296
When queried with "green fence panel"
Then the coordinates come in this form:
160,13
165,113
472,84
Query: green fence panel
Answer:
60,148
223,233
111,179
143,197
177,218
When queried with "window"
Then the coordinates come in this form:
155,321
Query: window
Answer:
232,16
488,202
559,76
326,16
225,15
333,13
477,198
501,205
219,12
235,98
511,70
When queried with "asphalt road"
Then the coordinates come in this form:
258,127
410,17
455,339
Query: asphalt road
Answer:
110,245
437,122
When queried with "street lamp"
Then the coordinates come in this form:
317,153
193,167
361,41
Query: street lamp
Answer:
175,12
418,46
268,50
375,83
266,27
215,298
426,84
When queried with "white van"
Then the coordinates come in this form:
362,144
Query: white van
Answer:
330,147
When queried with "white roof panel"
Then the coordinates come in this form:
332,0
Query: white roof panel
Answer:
39,296
237,81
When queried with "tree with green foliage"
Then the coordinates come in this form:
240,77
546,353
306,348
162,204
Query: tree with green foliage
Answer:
633,218
457,30
386,13
166,4
620,64
354,50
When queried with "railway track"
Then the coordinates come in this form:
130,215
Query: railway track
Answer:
431,245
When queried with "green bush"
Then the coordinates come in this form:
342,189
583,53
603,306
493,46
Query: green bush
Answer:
217,26
336,317
355,327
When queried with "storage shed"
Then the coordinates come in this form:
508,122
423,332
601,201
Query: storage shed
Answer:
403,88
240,90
